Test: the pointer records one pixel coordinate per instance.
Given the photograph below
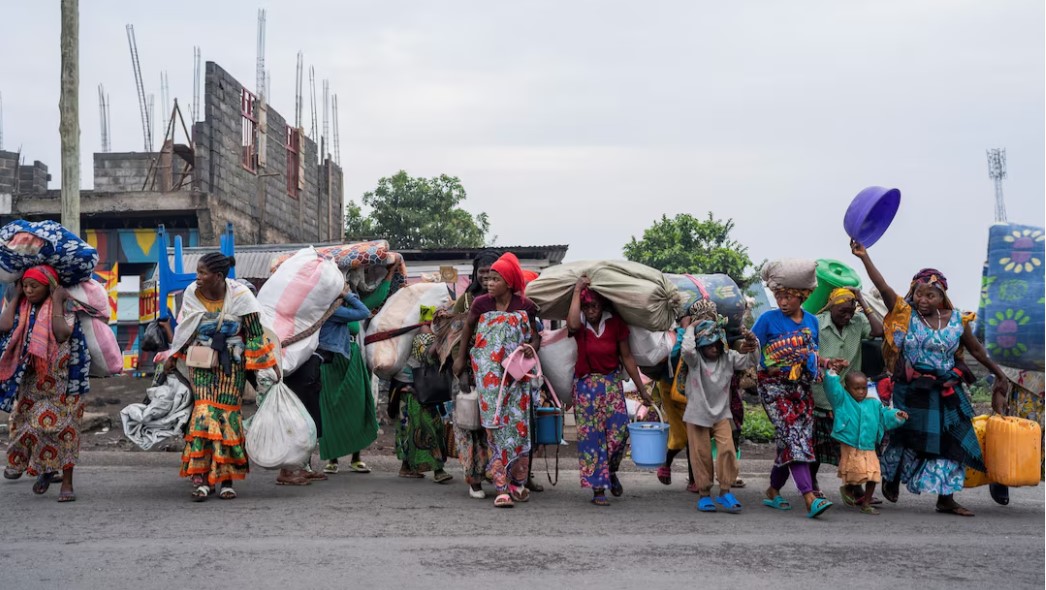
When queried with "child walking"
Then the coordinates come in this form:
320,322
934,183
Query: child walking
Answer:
860,423
711,366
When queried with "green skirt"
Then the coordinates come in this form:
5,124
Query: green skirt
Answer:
350,421
421,441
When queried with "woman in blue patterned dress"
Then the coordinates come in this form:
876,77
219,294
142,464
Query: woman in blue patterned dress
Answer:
924,337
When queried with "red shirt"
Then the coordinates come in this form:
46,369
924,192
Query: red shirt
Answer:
599,353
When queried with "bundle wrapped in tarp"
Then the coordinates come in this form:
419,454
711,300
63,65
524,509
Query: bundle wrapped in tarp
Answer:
720,289
641,295
162,418
364,264
25,244
1012,296
391,332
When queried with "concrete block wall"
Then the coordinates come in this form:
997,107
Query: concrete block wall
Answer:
33,179
121,172
8,172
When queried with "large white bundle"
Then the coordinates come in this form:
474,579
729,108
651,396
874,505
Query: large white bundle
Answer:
281,433
790,273
295,298
387,357
641,295
92,303
650,348
558,355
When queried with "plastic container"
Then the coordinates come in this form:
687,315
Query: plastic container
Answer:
1013,451
870,214
976,479
548,426
649,443
831,275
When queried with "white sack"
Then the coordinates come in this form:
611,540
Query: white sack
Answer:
281,433
387,357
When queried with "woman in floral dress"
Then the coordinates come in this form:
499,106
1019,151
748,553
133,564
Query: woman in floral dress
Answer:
924,334
44,366
503,321
224,316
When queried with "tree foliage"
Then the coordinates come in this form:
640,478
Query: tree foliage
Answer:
414,213
687,245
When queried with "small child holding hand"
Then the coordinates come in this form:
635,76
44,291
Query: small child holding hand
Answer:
859,426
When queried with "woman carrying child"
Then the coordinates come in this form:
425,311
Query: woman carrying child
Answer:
710,371
859,425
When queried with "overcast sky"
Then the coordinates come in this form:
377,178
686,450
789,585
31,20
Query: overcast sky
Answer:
582,122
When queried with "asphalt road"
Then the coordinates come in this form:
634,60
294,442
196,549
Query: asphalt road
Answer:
133,526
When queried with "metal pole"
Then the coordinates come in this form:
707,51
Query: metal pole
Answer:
69,108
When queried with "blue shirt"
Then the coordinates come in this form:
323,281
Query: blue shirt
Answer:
785,343
334,333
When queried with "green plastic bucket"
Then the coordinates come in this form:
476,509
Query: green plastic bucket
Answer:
831,274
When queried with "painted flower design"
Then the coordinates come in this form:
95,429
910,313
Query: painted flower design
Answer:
1022,257
1007,324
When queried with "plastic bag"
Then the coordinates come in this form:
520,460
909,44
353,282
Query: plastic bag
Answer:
163,417
558,356
154,339
281,434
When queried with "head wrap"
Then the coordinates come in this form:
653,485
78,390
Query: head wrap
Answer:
589,296
838,296
485,257
932,277
508,267
529,275
43,274
703,309
708,332
802,294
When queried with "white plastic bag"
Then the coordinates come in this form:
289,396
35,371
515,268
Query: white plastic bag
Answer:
650,348
558,355
281,434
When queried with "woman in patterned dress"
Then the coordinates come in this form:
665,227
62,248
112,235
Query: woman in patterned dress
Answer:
214,451
924,333
502,321
45,365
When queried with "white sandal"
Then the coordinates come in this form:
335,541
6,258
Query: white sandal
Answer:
477,494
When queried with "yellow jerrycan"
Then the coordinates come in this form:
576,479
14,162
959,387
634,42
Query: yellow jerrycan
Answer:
1013,451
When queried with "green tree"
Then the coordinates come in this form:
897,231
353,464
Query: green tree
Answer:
687,245
413,213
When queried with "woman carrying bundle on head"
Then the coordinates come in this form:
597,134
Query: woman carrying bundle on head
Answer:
44,370
500,323
220,339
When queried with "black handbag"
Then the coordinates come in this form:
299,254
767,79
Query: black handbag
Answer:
433,384
154,339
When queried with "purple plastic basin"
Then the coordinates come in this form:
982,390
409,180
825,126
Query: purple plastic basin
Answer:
871,213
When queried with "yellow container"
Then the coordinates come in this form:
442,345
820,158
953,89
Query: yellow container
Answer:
1013,451
975,479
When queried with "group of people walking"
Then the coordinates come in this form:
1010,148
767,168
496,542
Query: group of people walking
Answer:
808,366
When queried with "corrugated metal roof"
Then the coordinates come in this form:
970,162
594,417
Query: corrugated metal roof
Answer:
249,265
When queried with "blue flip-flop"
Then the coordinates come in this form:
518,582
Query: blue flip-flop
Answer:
730,503
778,503
818,507
705,504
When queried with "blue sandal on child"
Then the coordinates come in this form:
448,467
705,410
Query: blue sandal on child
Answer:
818,507
777,503
705,504
730,503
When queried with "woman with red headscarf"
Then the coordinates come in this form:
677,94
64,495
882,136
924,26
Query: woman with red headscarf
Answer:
44,365
503,321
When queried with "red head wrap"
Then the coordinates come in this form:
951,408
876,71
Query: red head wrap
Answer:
43,274
508,267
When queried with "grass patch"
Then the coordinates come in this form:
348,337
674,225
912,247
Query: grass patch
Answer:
757,427
981,392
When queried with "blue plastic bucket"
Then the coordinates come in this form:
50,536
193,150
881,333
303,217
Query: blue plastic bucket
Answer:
548,426
649,443
870,214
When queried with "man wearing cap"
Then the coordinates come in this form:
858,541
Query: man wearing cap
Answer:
842,329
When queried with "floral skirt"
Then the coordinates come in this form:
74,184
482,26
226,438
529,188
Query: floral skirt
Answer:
45,428
214,445
790,407
923,475
421,440
473,452
602,428
857,466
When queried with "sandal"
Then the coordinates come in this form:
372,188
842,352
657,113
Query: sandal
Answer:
411,474
891,490
330,468
441,476
534,486
739,483
66,496
359,467
200,493
314,476
777,503
664,475
955,508
12,473
848,497
43,482
730,503
818,507
615,486
998,492
227,493
819,494
519,493
869,510
692,488
292,480
600,499
705,504
503,501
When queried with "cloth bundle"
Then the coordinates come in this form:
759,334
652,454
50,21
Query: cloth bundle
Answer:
790,273
388,356
720,289
25,244
364,264
641,295
162,418
91,302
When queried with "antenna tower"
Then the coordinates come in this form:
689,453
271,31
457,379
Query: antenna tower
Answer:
297,92
259,83
103,118
147,128
997,172
195,114
337,144
312,97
